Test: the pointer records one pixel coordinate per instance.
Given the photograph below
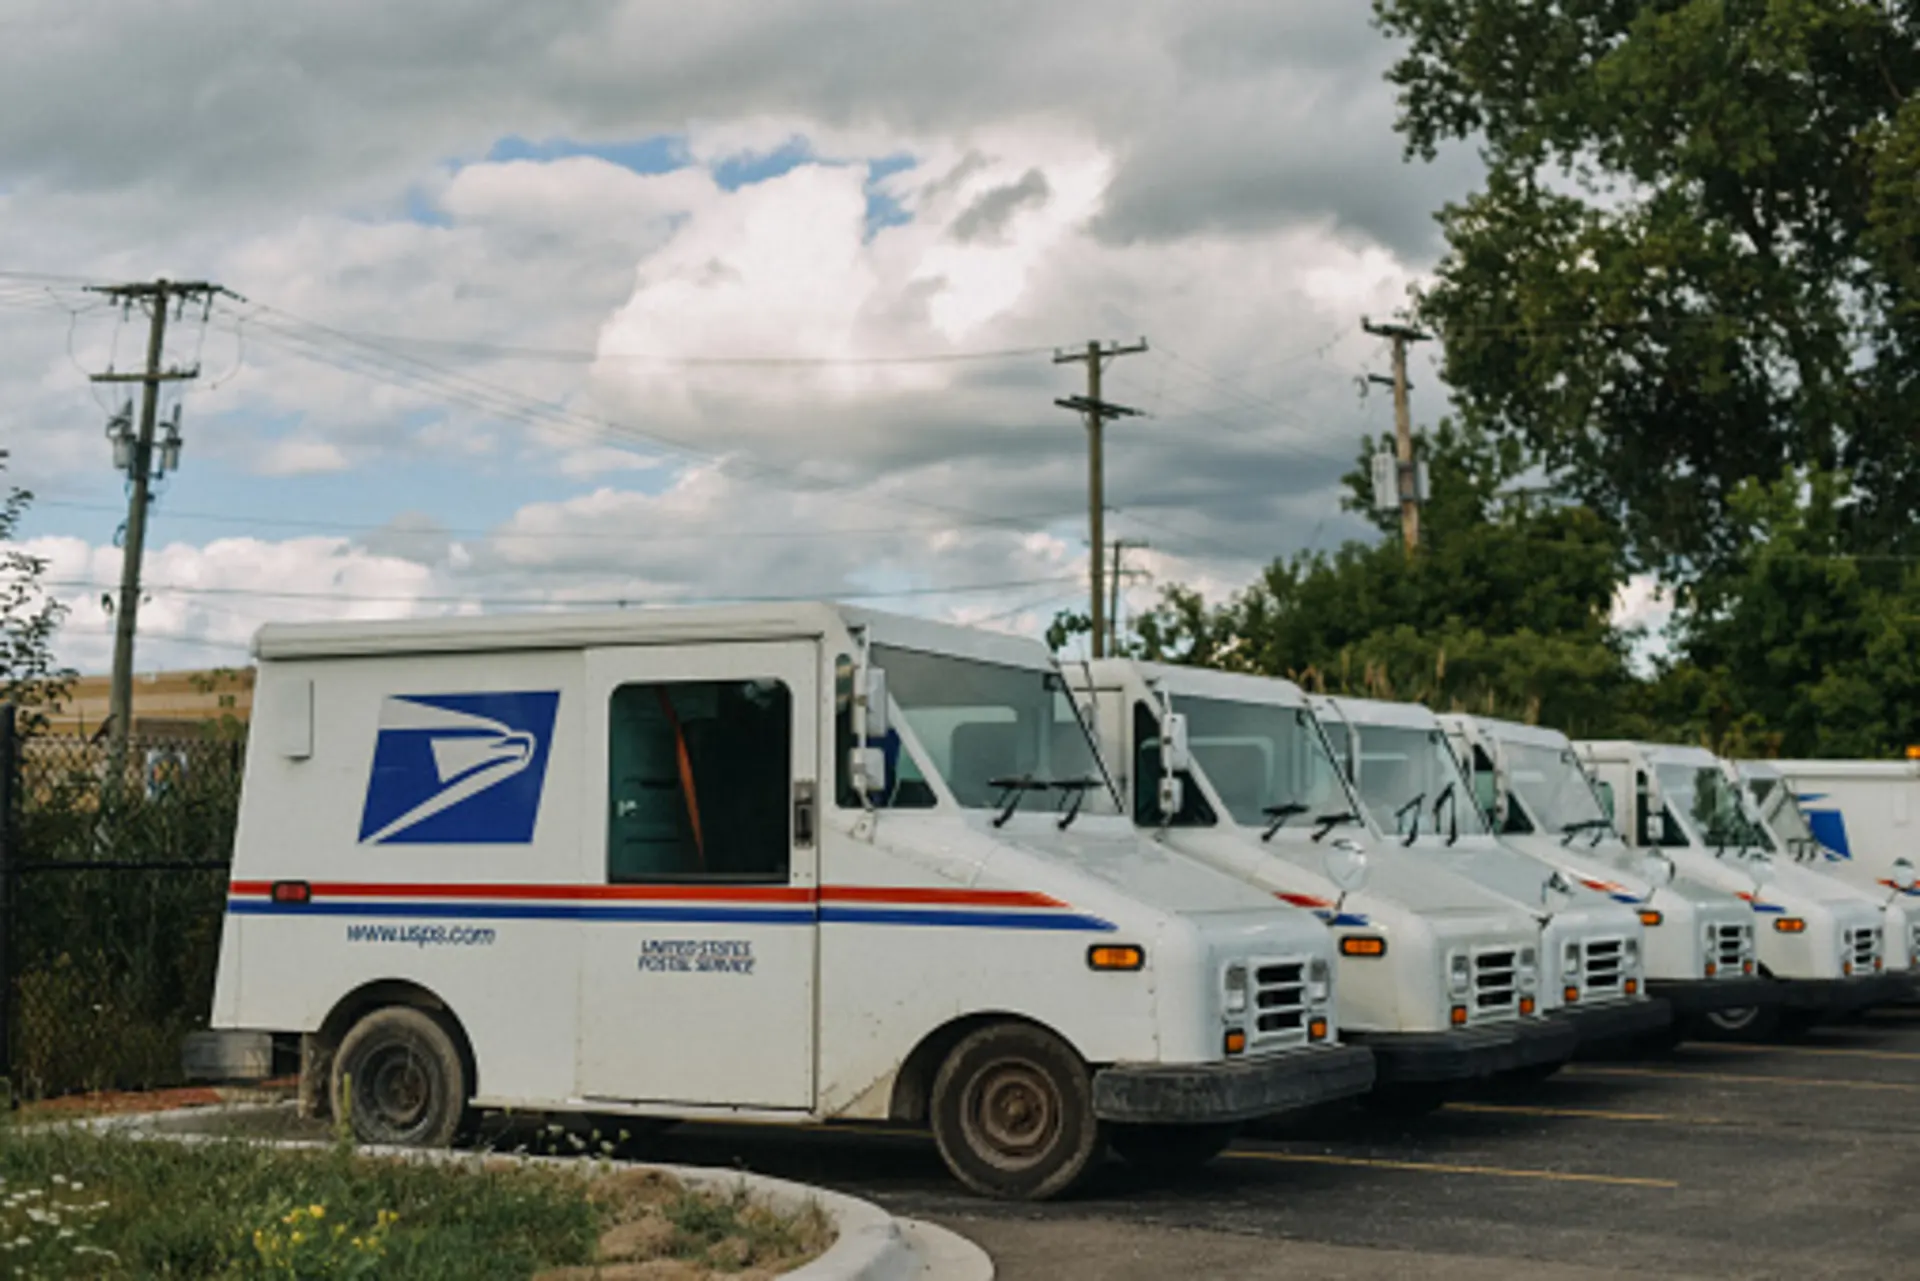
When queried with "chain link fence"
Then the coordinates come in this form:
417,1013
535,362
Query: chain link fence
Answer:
113,874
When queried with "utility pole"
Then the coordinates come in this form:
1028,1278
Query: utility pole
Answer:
1097,411
1120,546
1401,335
134,454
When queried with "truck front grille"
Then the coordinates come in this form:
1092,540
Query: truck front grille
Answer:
1604,967
1728,949
1496,989
1279,1000
1863,947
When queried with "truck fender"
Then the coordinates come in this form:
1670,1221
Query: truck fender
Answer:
316,1048
913,1079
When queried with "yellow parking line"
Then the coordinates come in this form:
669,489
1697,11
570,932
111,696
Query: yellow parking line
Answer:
1841,1050
1595,1114
1740,1079
1434,1167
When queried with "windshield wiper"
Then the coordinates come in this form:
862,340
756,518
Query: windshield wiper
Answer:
1280,814
1013,791
1325,823
1413,807
1570,830
1078,787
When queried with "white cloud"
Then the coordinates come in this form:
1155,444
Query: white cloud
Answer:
301,458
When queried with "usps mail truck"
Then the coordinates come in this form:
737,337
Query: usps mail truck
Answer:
1592,948
1821,944
1439,977
1890,881
1529,782
794,863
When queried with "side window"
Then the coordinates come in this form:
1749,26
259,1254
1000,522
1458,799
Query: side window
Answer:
1194,810
1604,790
905,787
1484,781
699,775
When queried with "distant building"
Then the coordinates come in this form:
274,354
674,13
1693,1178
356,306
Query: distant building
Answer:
165,704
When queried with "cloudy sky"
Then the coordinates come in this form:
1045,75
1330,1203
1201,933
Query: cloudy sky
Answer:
621,301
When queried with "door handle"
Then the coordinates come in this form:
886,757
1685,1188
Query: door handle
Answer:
803,801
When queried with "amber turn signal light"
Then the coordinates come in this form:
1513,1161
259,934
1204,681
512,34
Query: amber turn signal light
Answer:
1316,1029
1526,1005
1633,987
1571,995
1363,945
1712,969
1236,1041
1790,924
1116,956
1459,1015
1650,918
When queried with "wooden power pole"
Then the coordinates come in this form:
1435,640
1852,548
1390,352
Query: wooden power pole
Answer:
156,297
1097,411
1401,335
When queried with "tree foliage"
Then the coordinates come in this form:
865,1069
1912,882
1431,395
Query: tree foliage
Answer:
30,676
1696,255
1505,609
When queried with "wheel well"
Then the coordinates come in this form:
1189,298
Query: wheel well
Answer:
316,1059
913,1083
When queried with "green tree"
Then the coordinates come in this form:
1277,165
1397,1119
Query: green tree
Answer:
30,677
1696,255
1505,609
1796,646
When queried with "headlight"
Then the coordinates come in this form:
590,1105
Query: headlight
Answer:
1459,974
1570,961
1528,970
1236,989
1630,954
1319,983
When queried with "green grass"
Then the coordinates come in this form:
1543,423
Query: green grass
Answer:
76,1204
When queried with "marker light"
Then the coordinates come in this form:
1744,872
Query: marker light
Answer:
1458,1015
1790,924
1571,995
1316,1029
1363,945
1712,969
1650,918
292,892
1633,987
1526,1005
1116,956
1236,1041
1746,967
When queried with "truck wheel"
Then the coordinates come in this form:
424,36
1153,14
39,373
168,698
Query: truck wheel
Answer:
1013,1113
399,1080
1407,1100
1742,1023
1173,1149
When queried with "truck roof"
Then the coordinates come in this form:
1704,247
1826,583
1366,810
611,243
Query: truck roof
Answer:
1849,769
1374,711
481,633
1507,731
1201,682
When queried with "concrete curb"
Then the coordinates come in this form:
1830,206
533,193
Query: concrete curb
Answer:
870,1245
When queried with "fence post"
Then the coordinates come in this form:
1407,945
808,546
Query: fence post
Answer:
9,858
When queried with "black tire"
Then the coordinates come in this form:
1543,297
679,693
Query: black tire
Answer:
1012,1112
1529,1076
399,1080
1741,1023
1170,1149
1666,1040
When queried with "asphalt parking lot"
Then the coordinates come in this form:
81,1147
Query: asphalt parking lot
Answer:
1791,1160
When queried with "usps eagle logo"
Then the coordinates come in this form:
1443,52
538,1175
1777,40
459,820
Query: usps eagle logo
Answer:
458,769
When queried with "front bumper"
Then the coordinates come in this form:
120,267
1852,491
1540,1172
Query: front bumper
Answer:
1234,1090
1844,996
1704,996
1614,1021
1404,1058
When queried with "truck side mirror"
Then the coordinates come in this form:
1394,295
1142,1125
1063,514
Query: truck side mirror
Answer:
867,767
1657,868
873,695
1173,796
1345,863
1175,756
1904,876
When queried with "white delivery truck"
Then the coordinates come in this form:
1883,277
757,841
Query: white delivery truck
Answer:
795,863
1822,945
1438,977
1528,780
1593,959
1778,810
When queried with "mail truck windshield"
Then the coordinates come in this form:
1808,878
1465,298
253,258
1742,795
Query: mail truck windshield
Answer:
987,725
1405,773
1260,757
1553,787
1702,798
